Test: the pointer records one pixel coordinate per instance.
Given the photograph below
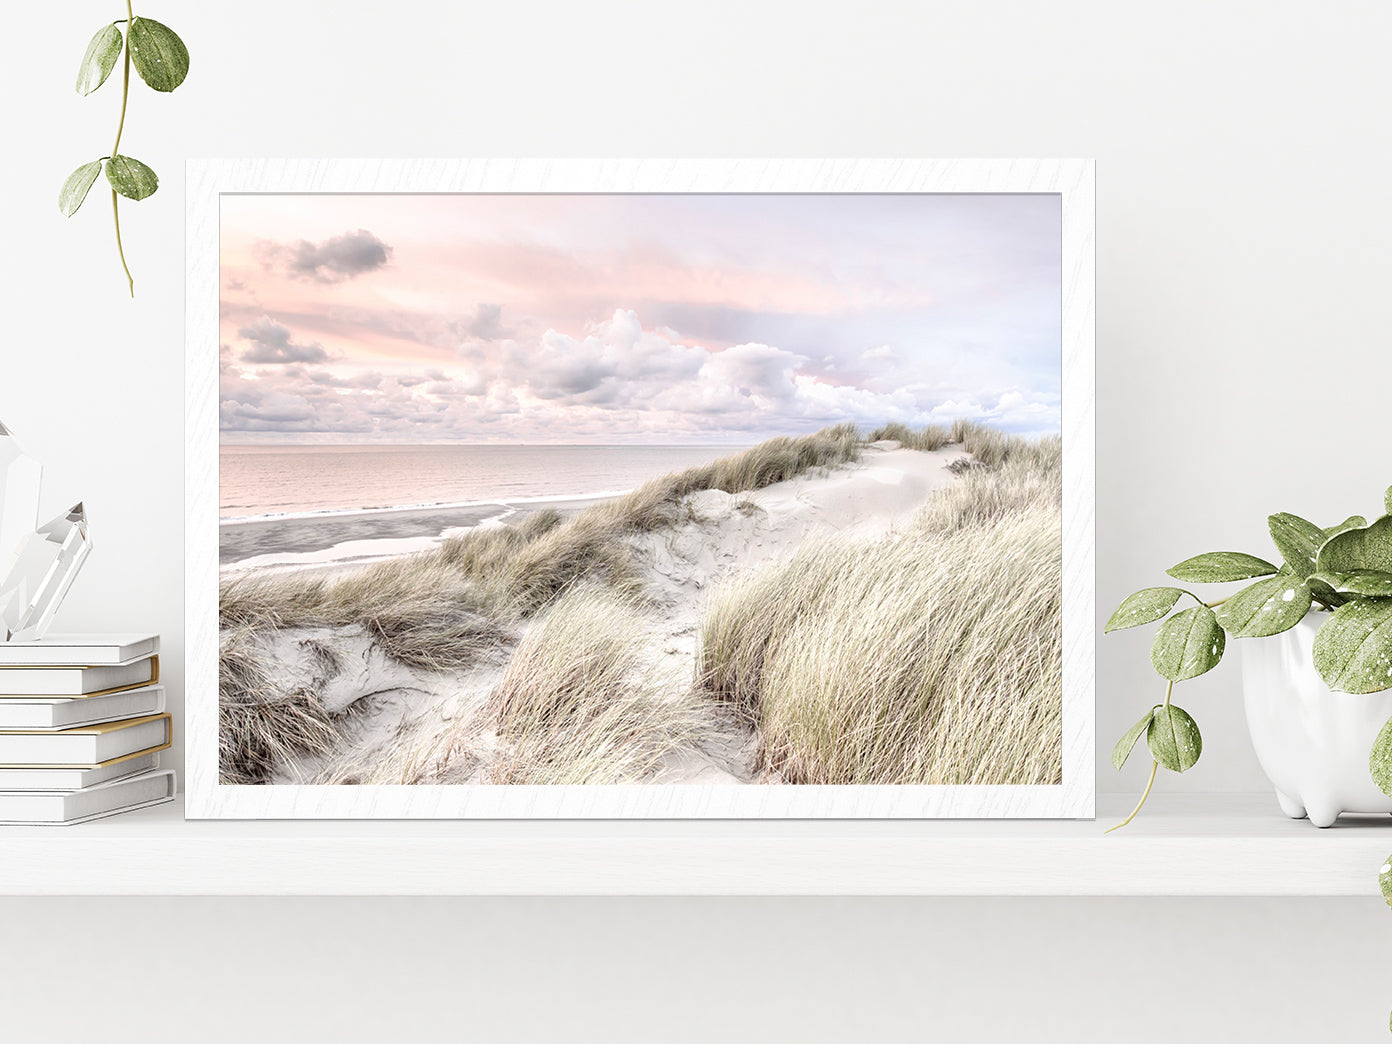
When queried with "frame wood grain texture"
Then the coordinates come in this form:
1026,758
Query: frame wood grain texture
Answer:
1072,180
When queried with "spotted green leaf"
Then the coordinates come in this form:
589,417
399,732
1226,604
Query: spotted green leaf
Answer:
1322,592
158,54
1218,567
1188,644
1366,583
1387,500
1380,765
1173,738
1352,522
1353,650
1143,607
76,187
130,177
1124,746
100,59
1385,875
1267,607
1298,541
1367,547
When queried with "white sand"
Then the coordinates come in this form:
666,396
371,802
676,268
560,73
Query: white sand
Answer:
396,705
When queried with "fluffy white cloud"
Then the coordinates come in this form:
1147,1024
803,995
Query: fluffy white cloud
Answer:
618,382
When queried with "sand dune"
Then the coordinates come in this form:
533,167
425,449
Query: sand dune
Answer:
408,724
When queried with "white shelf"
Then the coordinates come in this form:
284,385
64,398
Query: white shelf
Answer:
1210,845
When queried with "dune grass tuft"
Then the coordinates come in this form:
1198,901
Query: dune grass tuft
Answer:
932,656
933,437
259,725
579,703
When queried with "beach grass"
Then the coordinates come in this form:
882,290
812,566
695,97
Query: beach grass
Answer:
929,656
932,656
580,701
933,437
260,725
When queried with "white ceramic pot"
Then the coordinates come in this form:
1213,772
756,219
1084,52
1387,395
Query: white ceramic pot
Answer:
1312,742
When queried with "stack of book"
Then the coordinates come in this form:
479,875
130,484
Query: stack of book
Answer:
82,724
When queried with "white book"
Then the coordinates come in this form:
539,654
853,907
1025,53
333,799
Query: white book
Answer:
77,681
87,746
63,808
79,650
45,714
47,777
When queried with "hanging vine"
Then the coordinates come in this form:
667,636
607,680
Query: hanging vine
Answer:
162,61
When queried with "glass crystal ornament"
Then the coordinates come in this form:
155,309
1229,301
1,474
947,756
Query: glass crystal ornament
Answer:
20,475
41,573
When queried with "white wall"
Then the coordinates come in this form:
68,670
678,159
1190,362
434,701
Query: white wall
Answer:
1242,223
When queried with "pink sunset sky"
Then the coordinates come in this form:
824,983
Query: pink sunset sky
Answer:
655,319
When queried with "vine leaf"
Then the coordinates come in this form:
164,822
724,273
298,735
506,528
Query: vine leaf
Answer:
100,59
1298,541
1173,738
1143,607
1265,608
1368,547
1122,750
160,57
130,177
1219,567
76,187
1353,650
1188,644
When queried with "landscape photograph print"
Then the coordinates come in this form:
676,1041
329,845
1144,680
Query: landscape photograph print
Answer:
659,489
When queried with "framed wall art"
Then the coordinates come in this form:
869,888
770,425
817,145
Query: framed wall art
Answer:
678,489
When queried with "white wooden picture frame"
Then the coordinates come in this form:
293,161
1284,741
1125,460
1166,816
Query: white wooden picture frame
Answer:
1072,181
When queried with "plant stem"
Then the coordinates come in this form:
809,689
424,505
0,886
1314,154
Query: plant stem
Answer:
1154,768
120,128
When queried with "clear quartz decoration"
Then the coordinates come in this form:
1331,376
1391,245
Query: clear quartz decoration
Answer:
41,573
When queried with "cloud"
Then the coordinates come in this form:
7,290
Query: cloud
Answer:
334,260
616,383
486,325
271,344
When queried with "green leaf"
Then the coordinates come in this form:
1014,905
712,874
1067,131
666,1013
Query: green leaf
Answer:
1298,541
160,57
1188,644
1385,877
1143,607
1122,750
1173,738
1387,500
1369,547
130,177
1218,567
1366,583
1267,607
1353,650
1352,522
1320,589
1380,765
100,59
76,187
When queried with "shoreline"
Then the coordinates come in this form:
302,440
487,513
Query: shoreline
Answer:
345,537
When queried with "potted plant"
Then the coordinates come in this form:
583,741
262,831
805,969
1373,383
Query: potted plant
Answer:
1316,693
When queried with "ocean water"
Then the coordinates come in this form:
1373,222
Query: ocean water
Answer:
276,481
